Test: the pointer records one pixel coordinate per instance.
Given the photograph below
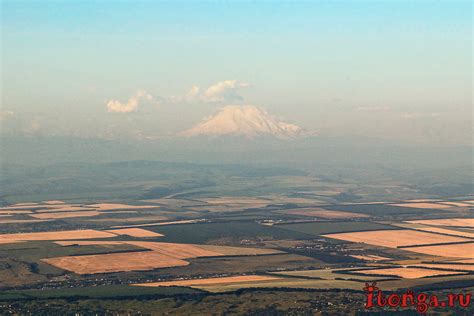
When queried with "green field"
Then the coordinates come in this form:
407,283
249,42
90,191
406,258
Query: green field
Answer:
35,250
379,209
103,291
327,274
205,232
320,228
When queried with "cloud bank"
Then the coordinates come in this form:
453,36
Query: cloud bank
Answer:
116,106
225,91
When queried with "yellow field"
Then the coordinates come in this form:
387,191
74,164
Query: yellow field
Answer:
451,251
370,257
408,273
190,221
57,235
223,280
459,204
162,255
27,206
54,202
131,219
134,232
88,242
423,205
461,267
60,206
455,222
65,214
15,212
437,230
180,251
447,231
116,206
395,238
115,262
239,251
20,221
65,209
319,212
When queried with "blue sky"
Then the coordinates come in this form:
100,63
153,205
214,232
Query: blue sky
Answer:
385,68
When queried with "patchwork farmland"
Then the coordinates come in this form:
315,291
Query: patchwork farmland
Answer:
226,244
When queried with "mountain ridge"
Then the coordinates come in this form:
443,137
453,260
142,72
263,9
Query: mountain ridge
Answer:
244,120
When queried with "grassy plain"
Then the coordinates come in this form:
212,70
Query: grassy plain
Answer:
212,281
320,228
408,272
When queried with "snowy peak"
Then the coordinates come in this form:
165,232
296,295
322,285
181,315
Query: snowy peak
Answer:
249,121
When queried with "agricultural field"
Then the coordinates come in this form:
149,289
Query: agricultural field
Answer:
134,232
115,262
408,272
230,243
56,215
433,206
330,274
206,232
227,158
223,280
396,238
384,210
449,266
320,228
322,213
370,257
450,222
56,235
451,250
436,229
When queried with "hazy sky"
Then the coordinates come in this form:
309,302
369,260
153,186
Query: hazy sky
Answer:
400,70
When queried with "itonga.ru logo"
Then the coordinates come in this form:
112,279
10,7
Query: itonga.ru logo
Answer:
421,301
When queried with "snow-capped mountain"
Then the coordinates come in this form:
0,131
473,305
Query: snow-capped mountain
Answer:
248,121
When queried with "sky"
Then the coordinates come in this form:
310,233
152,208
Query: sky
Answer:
395,70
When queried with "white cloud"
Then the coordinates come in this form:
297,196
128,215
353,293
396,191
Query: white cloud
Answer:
193,93
373,108
225,91
220,92
131,105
